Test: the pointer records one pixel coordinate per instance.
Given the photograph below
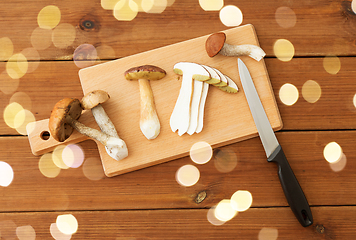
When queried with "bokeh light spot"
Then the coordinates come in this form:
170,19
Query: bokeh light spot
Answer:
224,210
16,66
33,55
353,6
211,5
340,164
285,17
288,94
6,174
332,64
201,152
8,229
231,16
25,233
63,35
47,166
85,55
283,50
12,114
73,156
125,10
93,169
108,4
58,235
67,224
241,200
187,175
268,234
7,84
311,91
153,6
6,48
212,219
57,157
225,160
23,99
49,17
41,39
170,3
354,100
24,117
332,152
105,52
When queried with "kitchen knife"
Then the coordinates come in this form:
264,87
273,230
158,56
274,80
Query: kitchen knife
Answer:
292,190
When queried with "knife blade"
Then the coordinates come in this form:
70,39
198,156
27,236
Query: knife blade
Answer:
292,190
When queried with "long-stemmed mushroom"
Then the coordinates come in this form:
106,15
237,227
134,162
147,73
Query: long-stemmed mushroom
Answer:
149,121
216,44
64,118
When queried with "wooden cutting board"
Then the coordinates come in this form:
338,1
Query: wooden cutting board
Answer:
227,116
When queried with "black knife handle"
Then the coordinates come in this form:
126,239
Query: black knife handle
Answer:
292,190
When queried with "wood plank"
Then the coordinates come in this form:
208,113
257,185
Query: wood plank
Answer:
255,223
156,187
331,111
334,110
322,27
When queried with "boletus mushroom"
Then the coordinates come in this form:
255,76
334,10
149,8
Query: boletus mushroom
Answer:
215,44
92,101
149,122
64,118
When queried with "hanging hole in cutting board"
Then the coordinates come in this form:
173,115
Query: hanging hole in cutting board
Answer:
45,135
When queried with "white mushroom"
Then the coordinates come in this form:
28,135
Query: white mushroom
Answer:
64,118
181,115
92,101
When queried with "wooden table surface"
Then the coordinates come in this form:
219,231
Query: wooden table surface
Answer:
39,67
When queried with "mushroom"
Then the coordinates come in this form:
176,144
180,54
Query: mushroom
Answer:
64,118
92,101
188,98
221,81
149,122
216,44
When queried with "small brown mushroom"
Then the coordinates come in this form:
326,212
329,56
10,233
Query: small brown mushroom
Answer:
216,44
63,120
92,101
149,122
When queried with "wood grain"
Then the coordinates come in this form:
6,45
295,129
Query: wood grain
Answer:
221,125
156,187
322,27
188,224
337,110
149,203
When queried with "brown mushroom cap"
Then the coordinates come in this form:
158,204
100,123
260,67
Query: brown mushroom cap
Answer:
214,43
148,72
94,98
59,128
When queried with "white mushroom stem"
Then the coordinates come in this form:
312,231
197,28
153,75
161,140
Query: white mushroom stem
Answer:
253,51
149,122
115,146
103,120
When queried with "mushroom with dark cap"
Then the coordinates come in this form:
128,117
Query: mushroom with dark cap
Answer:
64,118
216,44
149,122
